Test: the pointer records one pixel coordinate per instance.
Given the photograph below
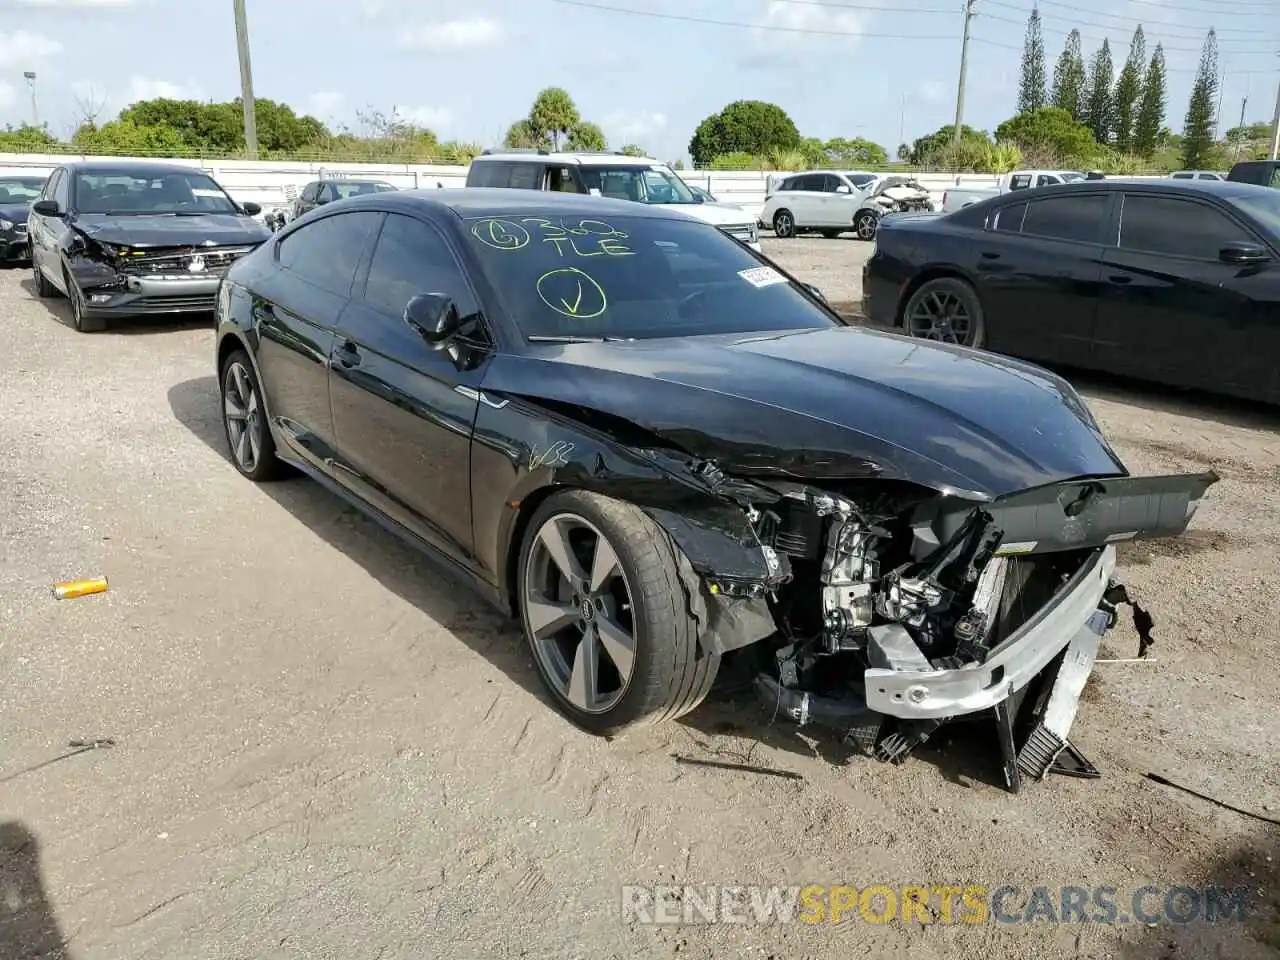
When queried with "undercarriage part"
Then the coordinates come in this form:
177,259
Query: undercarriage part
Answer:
910,734
804,707
1143,624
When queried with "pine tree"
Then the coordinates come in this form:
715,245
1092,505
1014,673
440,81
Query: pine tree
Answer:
1197,132
1128,91
1146,128
1031,91
1099,103
1069,78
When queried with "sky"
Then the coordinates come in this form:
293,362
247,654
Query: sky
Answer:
886,70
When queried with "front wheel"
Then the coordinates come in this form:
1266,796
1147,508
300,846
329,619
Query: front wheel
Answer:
946,310
784,225
244,419
864,225
606,617
79,309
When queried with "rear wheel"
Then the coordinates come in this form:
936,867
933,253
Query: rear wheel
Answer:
82,322
249,440
864,225
784,225
606,617
947,310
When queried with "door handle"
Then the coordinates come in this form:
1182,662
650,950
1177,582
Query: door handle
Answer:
1120,278
990,255
347,354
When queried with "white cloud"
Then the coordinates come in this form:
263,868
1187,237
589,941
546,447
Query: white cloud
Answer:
789,26
326,103
934,91
21,48
432,118
77,4
453,35
8,95
145,88
630,127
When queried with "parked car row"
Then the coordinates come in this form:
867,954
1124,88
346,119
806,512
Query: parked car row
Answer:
832,202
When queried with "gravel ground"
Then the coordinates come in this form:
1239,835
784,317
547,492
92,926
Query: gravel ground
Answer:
323,750
834,266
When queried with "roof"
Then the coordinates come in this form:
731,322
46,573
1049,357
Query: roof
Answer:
504,201
153,167
569,156
1213,188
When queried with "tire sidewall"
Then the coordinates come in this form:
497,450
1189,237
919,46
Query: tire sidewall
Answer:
960,288
266,445
862,218
784,217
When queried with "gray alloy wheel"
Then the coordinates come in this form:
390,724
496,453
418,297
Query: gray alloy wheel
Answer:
606,615
249,440
946,310
81,322
784,225
864,224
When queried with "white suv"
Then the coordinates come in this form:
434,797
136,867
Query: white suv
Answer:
822,201
610,175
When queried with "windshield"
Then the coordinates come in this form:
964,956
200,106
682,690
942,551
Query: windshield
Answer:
644,184
1072,177
121,192
360,188
1265,208
20,189
634,278
860,179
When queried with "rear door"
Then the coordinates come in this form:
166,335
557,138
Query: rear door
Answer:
1171,311
296,309
1038,265
404,413
806,199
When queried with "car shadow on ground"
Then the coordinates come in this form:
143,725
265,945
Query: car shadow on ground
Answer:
60,310
1195,404
393,563
28,928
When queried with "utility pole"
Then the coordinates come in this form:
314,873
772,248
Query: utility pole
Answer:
246,82
1244,102
964,69
30,77
1217,115
1275,127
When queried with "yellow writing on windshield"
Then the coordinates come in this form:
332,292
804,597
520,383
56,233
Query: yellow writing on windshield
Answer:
500,234
572,293
581,238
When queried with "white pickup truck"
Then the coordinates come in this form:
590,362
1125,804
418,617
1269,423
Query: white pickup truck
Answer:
954,198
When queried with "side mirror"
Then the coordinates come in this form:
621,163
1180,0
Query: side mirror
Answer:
435,317
321,200
46,208
251,208
844,188
1243,252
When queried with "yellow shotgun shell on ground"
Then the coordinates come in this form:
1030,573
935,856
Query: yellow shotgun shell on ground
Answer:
70,589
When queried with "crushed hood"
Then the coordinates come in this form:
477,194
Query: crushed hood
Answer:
210,229
716,214
833,403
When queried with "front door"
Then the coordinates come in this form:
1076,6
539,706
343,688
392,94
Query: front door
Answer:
404,413
295,311
1171,311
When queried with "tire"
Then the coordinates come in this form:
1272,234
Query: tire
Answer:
44,289
81,322
784,224
950,293
240,395
864,225
669,673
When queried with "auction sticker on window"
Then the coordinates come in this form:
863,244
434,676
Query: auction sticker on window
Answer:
762,276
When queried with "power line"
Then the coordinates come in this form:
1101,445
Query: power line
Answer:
841,5
1196,49
1167,69
1196,32
1146,20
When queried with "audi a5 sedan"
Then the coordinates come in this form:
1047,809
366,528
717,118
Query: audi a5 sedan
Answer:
658,450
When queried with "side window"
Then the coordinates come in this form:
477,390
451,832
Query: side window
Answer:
62,190
1045,180
788,184
1066,218
326,252
812,183
490,173
328,193
309,194
1184,176
1020,181
1275,178
1009,219
526,176
1175,228
561,180
412,258
830,183
51,185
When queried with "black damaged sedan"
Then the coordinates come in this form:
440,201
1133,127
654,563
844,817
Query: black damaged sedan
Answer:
659,451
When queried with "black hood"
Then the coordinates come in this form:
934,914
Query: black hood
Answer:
15,212
167,230
841,402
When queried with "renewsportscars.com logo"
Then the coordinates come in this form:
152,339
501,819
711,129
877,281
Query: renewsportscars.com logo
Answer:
959,904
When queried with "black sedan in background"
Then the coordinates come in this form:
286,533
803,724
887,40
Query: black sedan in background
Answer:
124,238
1170,281
16,196
319,192
657,449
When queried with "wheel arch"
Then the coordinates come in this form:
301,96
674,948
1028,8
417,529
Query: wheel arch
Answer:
935,272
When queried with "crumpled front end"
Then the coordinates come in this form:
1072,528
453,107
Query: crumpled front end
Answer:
138,280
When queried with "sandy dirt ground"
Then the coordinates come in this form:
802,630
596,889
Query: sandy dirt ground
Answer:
324,750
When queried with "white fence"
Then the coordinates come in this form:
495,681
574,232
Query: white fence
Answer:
270,182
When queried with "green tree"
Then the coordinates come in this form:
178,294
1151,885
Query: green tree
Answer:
553,115
521,135
1148,126
1099,102
1250,142
744,126
855,152
1197,131
1128,91
586,136
633,150
814,152
1031,89
1049,130
1069,80
128,138
931,149
26,139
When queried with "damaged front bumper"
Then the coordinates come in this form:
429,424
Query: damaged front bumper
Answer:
942,694
122,280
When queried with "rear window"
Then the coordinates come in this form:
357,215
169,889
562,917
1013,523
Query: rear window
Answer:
1066,218
488,173
633,278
